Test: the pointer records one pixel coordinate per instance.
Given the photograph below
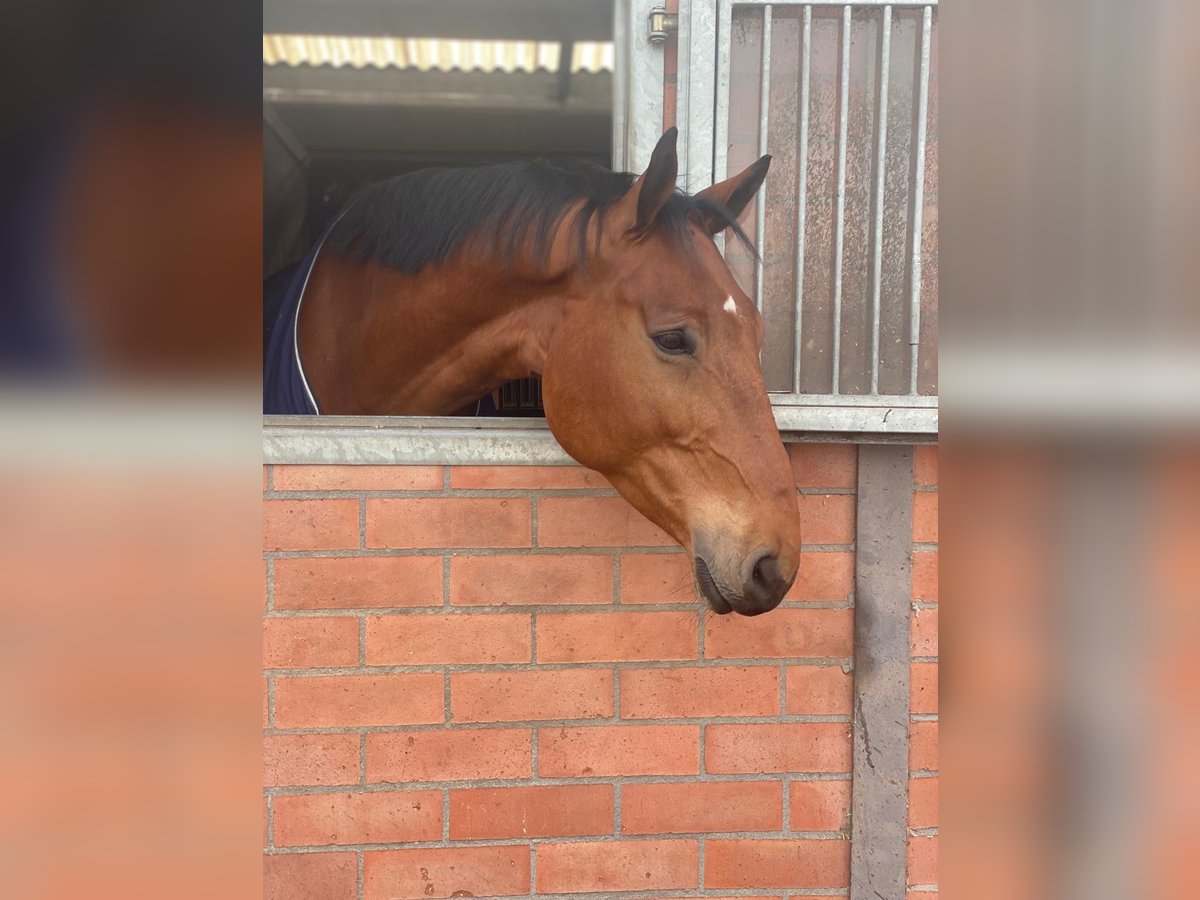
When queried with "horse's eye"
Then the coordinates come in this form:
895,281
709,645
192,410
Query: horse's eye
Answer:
674,342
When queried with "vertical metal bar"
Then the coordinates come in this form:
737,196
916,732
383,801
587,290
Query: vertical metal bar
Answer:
621,109
840,221
885,57
721,113
914,328
802,200
764,105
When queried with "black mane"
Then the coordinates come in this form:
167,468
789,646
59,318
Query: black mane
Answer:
423,218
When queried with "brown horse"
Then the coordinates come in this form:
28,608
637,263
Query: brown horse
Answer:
437,287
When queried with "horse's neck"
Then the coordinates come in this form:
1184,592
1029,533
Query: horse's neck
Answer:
426,344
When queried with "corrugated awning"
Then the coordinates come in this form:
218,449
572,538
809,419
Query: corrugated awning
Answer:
426,54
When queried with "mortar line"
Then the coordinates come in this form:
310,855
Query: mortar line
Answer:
362,523
550,609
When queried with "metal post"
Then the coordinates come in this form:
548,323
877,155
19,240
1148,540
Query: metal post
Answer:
802,200
914,330
885,57
840,221
764,104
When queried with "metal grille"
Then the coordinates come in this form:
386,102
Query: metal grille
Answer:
846,225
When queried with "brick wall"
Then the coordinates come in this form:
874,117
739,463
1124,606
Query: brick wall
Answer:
498,681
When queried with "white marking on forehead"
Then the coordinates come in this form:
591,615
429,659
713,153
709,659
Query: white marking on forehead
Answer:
730,306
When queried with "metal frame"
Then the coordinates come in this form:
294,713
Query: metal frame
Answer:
837,409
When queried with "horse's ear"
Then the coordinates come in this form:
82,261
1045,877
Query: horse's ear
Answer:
654,187
733,194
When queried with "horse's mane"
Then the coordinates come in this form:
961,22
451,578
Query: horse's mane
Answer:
424,217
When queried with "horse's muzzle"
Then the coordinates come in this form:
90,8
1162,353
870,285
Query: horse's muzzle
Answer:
763,586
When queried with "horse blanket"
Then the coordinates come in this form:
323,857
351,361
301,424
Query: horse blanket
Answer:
285,389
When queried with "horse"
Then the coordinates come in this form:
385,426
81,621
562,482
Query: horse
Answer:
434,288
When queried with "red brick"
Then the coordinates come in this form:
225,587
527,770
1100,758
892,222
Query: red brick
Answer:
656,578
448,522
925,465
619,750
923,746
824,465
923,803
299,643
923,693
448,755
925,517
925,575
530,580
803,633
595,522
329,700
922,859
921,895
530,477
819,691
924,632
699,692
827,518
310,876
777,864
367,582
445,872
291,760
522,696
785,747
528,812
265,477
607,866
701,807
414,640
358,478
820,805
617,636
824,576
379,817
310,524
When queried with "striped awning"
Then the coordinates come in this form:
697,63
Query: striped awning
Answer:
426,54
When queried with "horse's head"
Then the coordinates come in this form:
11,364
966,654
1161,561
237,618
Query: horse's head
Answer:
653,378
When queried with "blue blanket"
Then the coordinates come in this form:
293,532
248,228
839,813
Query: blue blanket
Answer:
285,390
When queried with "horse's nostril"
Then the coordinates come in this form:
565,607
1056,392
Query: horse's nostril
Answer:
765,586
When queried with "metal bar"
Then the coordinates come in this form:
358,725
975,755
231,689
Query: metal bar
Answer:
721,113
882,589
802,199
840,219
877,401
914,328
764,106
885,57
912,4
620,80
